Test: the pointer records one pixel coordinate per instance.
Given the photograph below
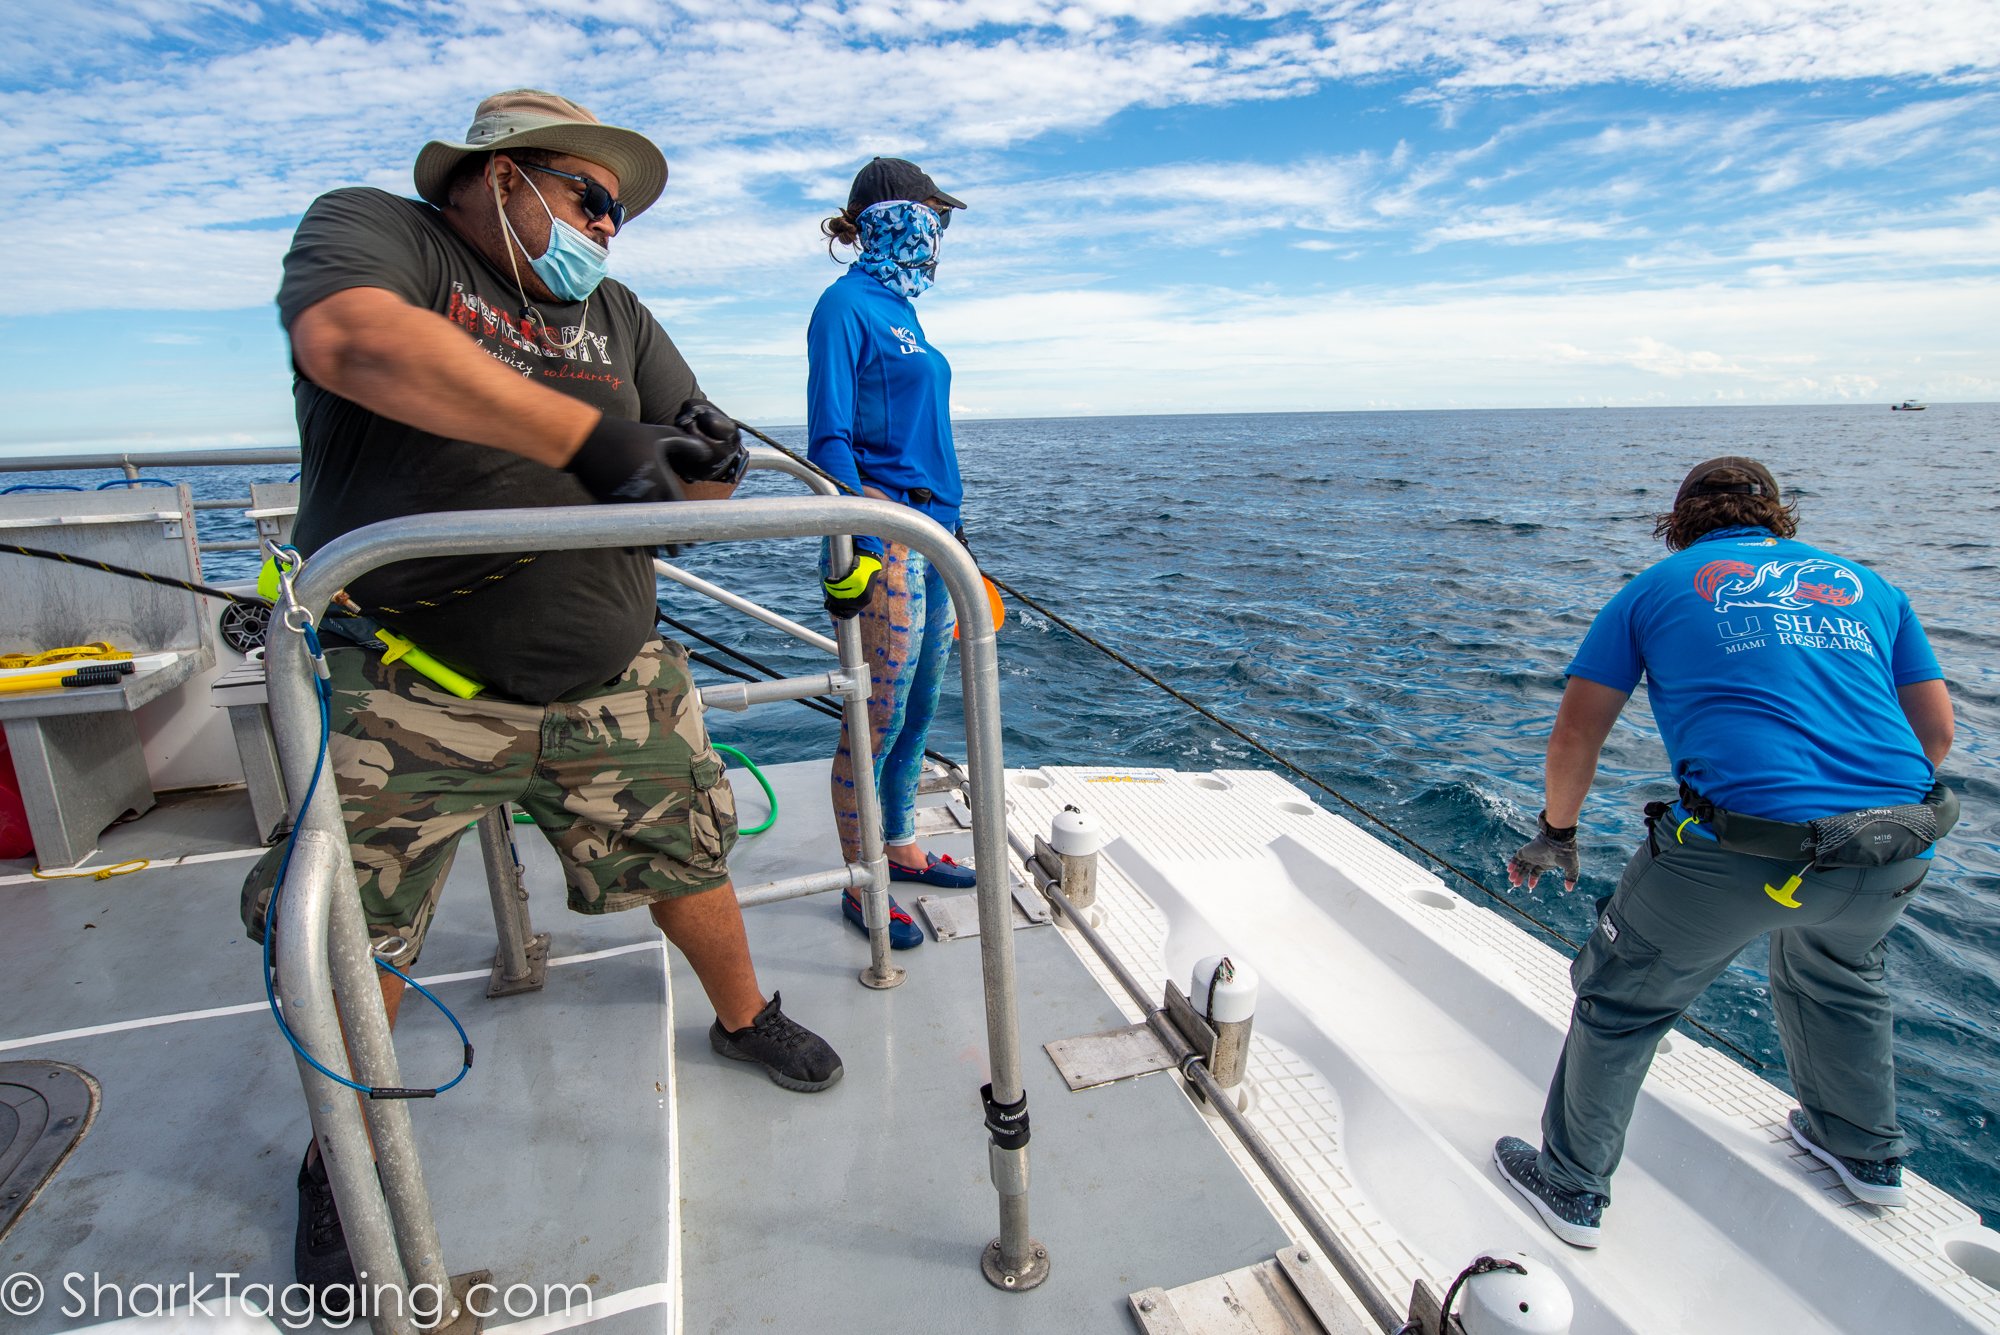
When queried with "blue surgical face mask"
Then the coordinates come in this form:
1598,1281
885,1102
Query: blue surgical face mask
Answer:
573,265
899,245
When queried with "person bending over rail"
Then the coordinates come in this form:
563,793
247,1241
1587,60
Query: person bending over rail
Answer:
465,351
1805,716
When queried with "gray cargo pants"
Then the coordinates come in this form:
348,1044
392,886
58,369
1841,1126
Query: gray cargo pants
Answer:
1679,916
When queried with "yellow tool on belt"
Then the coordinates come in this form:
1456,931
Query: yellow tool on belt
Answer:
394,646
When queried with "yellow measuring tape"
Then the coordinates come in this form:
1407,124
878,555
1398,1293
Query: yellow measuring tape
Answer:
69,653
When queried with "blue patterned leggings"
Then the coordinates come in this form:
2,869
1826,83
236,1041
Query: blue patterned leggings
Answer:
906,635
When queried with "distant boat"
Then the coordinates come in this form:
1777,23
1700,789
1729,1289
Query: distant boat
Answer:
1908,406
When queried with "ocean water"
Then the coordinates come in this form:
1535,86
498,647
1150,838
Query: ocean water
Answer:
1389,599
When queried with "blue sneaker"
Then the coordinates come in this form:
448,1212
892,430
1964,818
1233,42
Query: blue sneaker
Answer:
1876,1181
938,871
904,934
1574,1216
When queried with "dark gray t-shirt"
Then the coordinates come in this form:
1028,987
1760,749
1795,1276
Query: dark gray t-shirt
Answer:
566,620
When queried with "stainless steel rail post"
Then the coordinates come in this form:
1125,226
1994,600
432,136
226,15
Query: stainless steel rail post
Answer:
321,892
325,965
874,891
305,992
521,961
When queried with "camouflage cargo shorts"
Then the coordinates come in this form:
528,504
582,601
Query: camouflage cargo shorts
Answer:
622,781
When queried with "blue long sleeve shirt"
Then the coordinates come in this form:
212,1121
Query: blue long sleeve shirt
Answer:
878,400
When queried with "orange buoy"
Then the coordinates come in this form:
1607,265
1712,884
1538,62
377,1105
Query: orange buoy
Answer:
993,601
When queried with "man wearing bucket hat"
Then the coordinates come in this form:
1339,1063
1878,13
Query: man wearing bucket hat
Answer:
1804,715
465,351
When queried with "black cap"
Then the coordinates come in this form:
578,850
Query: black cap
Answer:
893,178
1696,483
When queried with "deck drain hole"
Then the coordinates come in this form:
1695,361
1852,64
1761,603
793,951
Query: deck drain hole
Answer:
1030,779
1212,783
1297,808
1435,899
1666,1045
1977,1257
1242,1096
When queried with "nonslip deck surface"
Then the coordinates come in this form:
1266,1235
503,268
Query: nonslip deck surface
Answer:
865,1207
861,1208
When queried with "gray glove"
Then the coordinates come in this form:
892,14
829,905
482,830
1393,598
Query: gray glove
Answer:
1552,850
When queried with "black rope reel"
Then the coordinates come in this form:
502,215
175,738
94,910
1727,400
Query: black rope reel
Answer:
243,625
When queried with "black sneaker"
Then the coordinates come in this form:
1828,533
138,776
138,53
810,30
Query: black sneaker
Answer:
1876,1181
319,1255
1576,1217
790,1053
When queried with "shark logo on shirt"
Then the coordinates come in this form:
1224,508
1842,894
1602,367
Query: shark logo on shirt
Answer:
1790,586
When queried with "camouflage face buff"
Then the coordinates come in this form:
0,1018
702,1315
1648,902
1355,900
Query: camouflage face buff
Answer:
899,246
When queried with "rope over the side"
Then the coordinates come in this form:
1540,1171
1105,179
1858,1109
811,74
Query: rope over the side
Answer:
1270,754
165,581
253,600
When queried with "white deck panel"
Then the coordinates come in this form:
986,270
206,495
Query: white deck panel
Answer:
1403,1029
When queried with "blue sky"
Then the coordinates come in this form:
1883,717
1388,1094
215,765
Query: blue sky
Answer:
1177,205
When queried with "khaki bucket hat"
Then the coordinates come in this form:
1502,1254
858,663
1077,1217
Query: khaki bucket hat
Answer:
531,118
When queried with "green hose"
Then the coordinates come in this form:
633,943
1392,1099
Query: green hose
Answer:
762,782
523,818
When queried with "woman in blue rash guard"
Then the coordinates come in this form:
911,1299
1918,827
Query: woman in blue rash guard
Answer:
878,415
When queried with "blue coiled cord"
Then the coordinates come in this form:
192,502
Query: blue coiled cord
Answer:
323,692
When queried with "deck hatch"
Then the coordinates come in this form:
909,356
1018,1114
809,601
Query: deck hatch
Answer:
45,1108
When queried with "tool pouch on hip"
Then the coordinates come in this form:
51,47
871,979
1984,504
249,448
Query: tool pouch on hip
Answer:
1877,836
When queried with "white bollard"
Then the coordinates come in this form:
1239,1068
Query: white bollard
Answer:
1225,994
1502,1302
1077,836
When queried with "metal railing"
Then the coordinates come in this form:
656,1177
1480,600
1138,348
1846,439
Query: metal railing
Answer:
325,964
129,464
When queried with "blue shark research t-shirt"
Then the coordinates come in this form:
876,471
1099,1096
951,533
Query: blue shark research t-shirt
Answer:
1772,668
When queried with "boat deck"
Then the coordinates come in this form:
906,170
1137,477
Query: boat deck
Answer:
597,1127
1402,1029
600,1142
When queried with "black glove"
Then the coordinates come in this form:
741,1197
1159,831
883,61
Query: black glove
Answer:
633,461
724,459
1552,850
851,592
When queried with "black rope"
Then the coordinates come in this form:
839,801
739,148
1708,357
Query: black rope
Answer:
818,705
824,704
1260,747
250,600
1485,1265
479,585
165,581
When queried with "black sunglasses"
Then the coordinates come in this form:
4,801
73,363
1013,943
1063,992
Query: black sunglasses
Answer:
597,201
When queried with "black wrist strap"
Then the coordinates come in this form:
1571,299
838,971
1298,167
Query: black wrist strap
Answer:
1557,834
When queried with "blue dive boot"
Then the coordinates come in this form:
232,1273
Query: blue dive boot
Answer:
904,934
938,871
1876,1181
1574,1216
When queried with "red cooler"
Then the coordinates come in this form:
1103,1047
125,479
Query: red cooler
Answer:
15,841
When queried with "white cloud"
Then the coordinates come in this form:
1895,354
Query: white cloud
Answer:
160,132
1517,225
1190,350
